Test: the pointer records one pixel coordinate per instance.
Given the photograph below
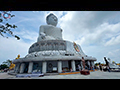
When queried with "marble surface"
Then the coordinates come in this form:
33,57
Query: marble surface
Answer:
50,31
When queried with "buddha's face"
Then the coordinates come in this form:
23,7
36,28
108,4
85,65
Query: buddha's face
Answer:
52,20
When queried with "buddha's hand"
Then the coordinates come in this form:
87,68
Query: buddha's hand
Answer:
42,35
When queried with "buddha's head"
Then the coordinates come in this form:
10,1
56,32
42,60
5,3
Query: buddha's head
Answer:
51,19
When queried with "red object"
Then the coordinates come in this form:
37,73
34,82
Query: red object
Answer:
5,16
85,72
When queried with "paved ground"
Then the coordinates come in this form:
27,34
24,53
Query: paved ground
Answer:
5,75
93,75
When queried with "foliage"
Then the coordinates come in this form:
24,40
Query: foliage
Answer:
96,64
3,66
8,62
6,28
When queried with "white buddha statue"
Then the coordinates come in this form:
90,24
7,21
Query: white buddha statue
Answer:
50,31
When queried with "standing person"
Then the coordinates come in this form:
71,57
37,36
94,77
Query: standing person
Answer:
108,68
97,67
86,67
71,69
79,67
100,67
83,63
90,67
93,69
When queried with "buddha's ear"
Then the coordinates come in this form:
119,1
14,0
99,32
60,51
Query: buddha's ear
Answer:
61,30
48,23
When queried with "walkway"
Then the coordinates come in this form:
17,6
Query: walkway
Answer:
93,75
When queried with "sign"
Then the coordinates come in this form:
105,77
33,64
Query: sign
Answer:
5,15
54,68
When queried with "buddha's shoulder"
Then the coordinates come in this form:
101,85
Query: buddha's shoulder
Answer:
44,26
49,26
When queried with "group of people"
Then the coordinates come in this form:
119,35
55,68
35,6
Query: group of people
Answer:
5,70
91,68
84,66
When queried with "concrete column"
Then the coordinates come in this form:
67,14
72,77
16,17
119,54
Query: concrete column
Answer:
59,66
88,62
17,68
92,63
22,68
30,67
44,66
81,64
73,65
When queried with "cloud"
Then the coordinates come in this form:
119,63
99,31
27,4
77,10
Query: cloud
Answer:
94,31
35,11
56,13
23,20
102,35
27,34
10,48
114,55
113,41
78,26
28,18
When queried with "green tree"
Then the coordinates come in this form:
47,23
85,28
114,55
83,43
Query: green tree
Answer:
96,64
6,28
8,62
3,66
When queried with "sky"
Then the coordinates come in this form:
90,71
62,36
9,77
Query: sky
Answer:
97,32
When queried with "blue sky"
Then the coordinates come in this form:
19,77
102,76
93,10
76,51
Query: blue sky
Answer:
98,32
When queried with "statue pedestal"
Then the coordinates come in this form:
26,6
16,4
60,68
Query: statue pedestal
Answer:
85,72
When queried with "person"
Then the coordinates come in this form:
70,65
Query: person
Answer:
71,69
79,67
63,71
86,67
108,68
90,67
93,69
100,67
83,63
